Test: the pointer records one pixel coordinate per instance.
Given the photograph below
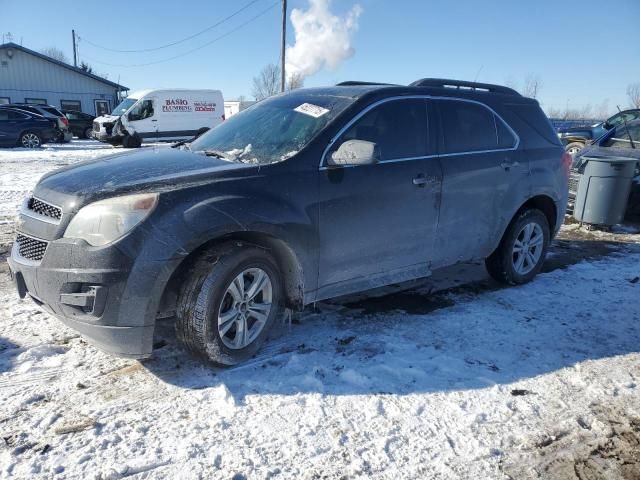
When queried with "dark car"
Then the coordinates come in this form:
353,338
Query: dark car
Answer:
19,128
304,196
575,138
622,140
48,111
80,124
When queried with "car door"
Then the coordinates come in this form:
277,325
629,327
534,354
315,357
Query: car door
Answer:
143,118
12,123
481,169
377,222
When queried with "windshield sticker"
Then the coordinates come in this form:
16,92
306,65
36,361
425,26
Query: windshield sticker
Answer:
312,110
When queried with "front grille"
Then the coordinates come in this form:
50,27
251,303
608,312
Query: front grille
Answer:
31,248
96,127
44,208
574,180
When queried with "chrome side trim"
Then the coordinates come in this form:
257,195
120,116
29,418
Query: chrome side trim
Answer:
323,166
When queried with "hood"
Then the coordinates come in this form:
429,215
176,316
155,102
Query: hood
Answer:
106,118
130,172
576,130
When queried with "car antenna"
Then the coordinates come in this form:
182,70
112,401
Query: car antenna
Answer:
626,127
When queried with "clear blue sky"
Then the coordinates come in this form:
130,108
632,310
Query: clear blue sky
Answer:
585,51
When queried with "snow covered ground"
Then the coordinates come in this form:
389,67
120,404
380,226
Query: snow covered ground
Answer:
451,377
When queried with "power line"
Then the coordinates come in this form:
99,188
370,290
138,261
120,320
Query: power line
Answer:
178,41
263,12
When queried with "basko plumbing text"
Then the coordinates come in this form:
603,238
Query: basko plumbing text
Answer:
182,105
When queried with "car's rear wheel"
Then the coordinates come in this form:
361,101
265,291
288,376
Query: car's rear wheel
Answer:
229,303
522,250
573,148
30,140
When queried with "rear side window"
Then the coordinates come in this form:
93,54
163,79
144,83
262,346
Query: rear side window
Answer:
17,115
467,127
398,127
506,139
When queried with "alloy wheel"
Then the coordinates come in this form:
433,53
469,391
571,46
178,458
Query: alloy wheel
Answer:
30,140
527,248
245,308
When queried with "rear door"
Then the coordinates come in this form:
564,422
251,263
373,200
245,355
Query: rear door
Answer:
377,222
480,163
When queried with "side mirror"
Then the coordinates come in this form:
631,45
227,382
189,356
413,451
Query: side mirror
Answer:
355,152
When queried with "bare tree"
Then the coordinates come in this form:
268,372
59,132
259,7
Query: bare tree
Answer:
633,91
268,82
532,86
295,81
86,67
55,53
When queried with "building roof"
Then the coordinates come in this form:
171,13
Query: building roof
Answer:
15,46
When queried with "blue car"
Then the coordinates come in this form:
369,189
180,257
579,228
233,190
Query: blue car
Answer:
19,128
574,139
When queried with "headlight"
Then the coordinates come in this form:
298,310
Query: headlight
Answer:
105,221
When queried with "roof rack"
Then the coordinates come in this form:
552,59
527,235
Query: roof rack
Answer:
462,85
351,83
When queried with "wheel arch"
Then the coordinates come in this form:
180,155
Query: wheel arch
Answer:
284,256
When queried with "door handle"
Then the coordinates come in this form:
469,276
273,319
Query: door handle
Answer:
509,165
420,180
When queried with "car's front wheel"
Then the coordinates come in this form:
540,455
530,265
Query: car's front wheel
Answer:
574,148
88,132
522,250
30,140
229,303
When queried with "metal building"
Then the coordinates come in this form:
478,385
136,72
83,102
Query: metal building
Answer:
31,77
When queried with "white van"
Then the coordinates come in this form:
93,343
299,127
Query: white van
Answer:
160,115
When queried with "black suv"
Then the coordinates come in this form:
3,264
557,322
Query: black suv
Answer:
80,124
304,196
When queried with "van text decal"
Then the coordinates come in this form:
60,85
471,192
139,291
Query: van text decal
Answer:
176,105
204,106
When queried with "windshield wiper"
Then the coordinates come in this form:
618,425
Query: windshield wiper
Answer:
184,143
626,127
217,154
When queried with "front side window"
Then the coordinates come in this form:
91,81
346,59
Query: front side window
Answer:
399,128
142,110
470,127
620,118
623,135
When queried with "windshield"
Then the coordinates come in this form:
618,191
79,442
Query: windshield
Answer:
272,130
123,106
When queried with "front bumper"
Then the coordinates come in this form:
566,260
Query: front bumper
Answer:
88,289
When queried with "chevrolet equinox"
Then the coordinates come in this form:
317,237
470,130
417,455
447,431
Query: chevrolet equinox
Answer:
304,196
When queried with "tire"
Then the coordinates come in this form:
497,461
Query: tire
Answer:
574,147
206,298
131,141
87,132
30,140
504,263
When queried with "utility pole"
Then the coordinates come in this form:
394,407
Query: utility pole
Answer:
75,56
283,76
